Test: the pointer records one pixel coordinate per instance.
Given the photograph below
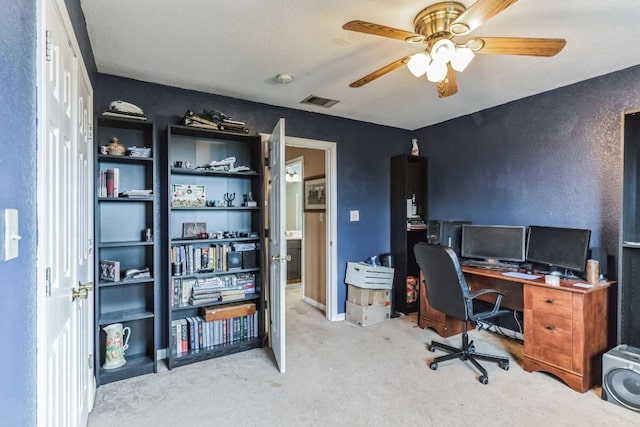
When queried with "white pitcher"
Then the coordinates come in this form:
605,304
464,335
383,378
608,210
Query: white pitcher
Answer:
116,345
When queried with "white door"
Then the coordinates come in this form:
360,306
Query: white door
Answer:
65,384
277,244
85,382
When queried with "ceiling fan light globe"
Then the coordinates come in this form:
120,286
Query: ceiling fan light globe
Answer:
443,50
419,63
437,71
461,58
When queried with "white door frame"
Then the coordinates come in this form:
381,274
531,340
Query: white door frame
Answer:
299,160
331,254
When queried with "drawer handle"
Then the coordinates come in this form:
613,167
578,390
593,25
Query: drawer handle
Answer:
550,301
551,328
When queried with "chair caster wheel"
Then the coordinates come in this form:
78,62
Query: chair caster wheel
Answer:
433,366
432,348
483,379
504,365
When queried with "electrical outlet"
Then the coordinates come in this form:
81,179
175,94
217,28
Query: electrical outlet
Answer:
354,216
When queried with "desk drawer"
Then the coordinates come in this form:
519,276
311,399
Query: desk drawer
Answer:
545,301
552,336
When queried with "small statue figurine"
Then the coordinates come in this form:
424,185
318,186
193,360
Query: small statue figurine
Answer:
415,151
115,148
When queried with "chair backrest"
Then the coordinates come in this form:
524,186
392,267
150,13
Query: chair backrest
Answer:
444,281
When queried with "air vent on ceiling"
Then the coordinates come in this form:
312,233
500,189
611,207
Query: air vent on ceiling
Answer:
319,101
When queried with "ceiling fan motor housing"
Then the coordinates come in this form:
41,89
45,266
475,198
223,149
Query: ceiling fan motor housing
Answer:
433,22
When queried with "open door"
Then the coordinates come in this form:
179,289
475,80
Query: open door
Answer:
277,244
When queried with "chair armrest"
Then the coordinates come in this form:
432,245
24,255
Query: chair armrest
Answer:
475,294
496,306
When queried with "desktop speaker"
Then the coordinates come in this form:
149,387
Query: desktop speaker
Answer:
600,253
621,376
445,233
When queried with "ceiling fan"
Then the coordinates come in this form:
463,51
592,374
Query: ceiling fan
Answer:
436,26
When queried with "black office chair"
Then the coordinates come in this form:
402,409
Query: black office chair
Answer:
448,292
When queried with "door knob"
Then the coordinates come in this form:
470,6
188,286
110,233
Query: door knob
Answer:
79,293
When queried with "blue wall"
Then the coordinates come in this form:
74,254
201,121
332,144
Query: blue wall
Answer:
551,159
18,180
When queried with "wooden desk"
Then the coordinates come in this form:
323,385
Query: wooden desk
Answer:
565,327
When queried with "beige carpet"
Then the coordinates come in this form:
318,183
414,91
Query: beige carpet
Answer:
339,374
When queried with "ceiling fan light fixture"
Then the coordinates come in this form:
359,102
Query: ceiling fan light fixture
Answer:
443,50
419,63
437,71
461,58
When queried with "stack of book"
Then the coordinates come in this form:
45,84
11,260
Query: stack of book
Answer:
139,151
415,223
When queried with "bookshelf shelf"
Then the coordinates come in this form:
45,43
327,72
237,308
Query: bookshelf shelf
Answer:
137,364
121,225
123,244
150,281
126,199
124,316
201,147
216,351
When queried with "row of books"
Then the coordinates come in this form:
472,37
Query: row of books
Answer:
108,182
193,334
191,291
195,259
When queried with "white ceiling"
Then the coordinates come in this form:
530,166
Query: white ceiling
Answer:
236,48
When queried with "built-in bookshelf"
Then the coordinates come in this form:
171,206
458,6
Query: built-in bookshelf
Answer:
126,255
214,229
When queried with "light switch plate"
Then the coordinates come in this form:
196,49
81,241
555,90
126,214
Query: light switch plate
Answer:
354,216
11,236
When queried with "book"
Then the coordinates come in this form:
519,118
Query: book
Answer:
183,336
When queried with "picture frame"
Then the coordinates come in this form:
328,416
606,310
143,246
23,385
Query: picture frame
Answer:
193,230
315,194
187,196
110,270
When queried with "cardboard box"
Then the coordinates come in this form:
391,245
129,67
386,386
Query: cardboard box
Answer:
365,315
368,276
362,296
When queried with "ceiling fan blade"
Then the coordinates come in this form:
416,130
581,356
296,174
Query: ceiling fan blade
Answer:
380,72
448,86
517,46
479,12
382,30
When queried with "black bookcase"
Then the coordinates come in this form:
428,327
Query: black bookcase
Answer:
409,176
629,252
125,235
196,200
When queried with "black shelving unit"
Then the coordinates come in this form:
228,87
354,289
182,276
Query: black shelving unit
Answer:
629,251
199,147
120,235
409,176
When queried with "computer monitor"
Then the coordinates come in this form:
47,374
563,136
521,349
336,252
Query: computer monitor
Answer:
557,247
493,243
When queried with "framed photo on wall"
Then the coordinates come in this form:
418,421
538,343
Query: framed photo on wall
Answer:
315,194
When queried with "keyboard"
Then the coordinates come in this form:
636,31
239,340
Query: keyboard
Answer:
521,275
490,265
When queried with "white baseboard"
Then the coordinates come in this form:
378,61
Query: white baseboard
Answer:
161,353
